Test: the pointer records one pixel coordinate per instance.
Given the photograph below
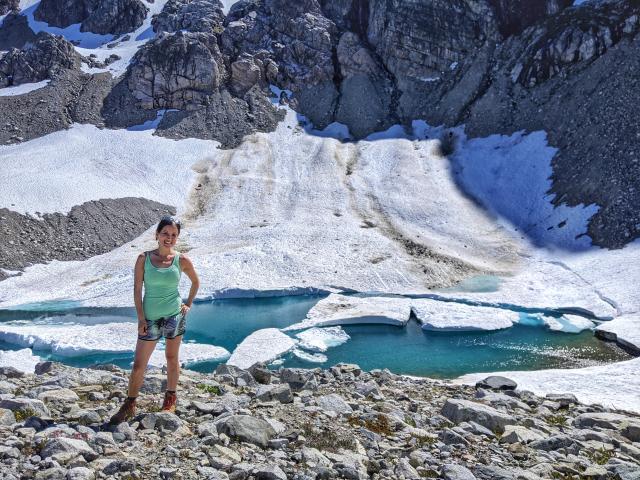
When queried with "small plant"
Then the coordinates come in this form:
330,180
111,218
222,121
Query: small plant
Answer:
601,456
330,439
213,389
557,420
409,421
380,424
23,414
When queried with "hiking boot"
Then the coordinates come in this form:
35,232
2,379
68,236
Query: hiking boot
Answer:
127,411
169,403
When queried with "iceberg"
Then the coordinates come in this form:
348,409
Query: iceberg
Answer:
624,330
337,309
453,316
261,346
321,339
190,353
23,360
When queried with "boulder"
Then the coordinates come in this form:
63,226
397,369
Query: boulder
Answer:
297,378
60,395
627,426
518,434
466,411
451,471
334,403
553,443
246,428
68,448
97,16
269,472
280,393
25,406
80,473
163,421
10,372
7,417
37,61
176,71
191,15
496,382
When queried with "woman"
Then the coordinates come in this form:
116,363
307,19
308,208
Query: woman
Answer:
160,313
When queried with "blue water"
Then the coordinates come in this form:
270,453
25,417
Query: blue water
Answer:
408,350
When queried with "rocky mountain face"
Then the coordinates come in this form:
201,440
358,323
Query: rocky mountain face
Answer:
8,5
97,16
495,66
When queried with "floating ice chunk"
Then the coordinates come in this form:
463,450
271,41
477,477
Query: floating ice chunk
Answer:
616,385
339,309
22,89
320,339
23,360
309,357
72,340
191,353
568,323
261,346
625,330
452,316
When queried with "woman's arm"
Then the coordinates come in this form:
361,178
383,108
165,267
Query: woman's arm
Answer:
138,277
187,268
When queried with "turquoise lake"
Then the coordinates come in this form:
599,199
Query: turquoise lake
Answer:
408,350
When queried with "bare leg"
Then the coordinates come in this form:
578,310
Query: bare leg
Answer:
144,349
173,364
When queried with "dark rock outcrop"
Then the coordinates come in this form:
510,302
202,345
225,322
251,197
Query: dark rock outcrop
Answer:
37,61
7,6
72,96
15,32
191,15
177,71
97,16
89,229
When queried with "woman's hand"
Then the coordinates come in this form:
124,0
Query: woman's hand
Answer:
184,309
142,328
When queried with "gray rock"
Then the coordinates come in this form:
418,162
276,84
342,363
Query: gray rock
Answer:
9,5
405,470
269,472
261,374
15,32
554,442
39,60
7,387
61,395
176,71
496,382
334,403
191,15
280,393
297,378
7,417
246,428
26,406
80,473
97,16
44,367
627,426
451,471
69,448
518,434
464,410
163,421
449,437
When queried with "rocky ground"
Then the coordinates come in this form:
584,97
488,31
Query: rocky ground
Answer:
89,229
304,424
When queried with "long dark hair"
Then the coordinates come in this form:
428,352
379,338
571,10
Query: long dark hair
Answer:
164,221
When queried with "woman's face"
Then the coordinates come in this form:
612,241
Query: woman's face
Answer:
168,236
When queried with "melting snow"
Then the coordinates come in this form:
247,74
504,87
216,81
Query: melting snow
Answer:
452,316
22,89
321,339
23,360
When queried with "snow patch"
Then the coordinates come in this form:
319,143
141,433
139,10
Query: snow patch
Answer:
261,346
23,360
614,386
309,357
625,330
23,88
190,353
72,340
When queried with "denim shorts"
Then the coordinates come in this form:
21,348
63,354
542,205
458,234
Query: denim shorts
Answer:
167,327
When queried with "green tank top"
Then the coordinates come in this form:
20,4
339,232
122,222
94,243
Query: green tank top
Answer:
161,296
